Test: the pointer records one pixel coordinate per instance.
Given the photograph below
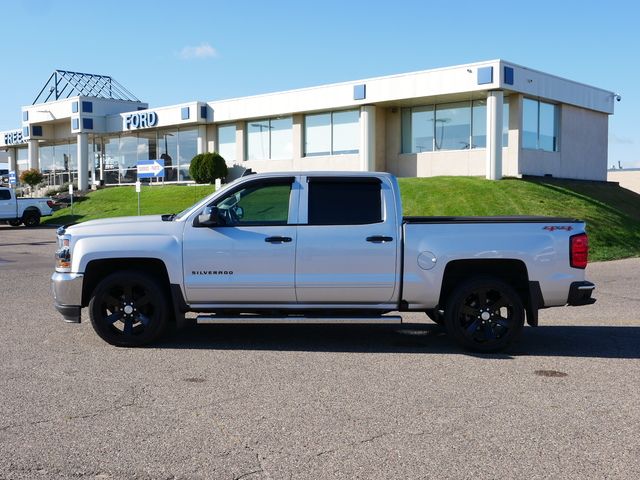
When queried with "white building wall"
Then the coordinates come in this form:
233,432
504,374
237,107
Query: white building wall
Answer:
582,148
629,179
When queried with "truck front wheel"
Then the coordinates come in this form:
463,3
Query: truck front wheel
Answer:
484,314
128,309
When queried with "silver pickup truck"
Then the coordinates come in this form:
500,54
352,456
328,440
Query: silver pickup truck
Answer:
15,210
318,248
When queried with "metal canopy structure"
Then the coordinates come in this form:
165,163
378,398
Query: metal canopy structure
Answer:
65,84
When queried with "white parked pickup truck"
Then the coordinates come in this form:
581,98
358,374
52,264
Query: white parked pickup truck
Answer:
318,248
15,210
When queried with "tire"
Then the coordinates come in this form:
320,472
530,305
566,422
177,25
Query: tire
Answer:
15,222
436,316
484,314
129,309
31,219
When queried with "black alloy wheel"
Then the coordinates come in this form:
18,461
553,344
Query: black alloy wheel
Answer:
484,314
129,309
31,219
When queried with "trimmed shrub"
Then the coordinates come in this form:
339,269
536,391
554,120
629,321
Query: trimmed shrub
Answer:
206,167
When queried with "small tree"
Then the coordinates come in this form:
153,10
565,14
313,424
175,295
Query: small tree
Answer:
31,177
206,167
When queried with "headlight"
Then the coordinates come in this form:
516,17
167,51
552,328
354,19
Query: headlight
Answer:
63,255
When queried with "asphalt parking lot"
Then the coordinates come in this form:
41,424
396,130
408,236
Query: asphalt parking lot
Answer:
289,402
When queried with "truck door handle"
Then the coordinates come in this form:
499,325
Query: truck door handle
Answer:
278,239
379,239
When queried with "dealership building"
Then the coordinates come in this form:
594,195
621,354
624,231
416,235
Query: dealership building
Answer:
492,119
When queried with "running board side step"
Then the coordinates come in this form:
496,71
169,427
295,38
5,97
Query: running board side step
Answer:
293,319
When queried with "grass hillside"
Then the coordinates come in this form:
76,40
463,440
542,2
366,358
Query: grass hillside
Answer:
612,213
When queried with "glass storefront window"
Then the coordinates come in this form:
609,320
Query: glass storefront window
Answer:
281,138
453,126
258,140
529,123
505,124
22,160
168,148
270,138
227,143
346,132
332,133
547,132
479,124
317,134
187,149
539,125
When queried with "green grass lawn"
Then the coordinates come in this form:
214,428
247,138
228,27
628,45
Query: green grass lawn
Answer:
122,201
612,213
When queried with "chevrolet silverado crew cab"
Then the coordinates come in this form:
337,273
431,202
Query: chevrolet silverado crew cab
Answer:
15,210
318,248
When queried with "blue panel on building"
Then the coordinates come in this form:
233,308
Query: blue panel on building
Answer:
508,75
485,75
359,92
74,107
36,130
87,123
203,111
25,132
185,113
75,124
25,116
87,107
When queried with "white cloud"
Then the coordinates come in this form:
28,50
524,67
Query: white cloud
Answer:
618,140
204,50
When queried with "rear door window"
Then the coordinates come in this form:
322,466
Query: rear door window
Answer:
348,201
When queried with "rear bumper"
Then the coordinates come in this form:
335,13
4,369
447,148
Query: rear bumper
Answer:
580,293
66,289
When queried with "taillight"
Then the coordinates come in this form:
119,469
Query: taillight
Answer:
579,250
50,203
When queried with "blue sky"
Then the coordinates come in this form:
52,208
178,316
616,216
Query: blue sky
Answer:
168,52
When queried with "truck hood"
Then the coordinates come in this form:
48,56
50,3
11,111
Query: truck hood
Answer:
119,225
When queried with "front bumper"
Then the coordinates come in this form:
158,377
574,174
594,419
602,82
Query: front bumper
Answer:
580,294
66,289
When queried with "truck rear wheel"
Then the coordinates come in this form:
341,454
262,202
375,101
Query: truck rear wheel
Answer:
31,219
129,309
484,314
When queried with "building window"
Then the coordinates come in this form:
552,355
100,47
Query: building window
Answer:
452,126
332,133
539,125
479,124
227,142
22,160
270,138
187,149
58,162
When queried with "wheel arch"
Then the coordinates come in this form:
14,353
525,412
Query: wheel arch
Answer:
96,270
30,211
512,271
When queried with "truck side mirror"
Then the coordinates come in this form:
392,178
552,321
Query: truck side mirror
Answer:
208,218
